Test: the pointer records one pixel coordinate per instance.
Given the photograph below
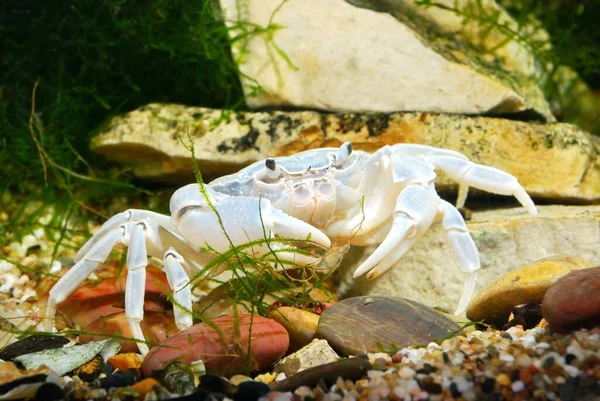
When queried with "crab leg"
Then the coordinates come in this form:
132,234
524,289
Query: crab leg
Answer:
489,179
137,261
179,283
131,215
80,271
463,249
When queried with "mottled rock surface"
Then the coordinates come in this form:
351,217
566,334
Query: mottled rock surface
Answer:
553,161
356,59
526,284
506,239
359,325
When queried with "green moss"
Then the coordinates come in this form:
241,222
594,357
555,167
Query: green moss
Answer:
95,59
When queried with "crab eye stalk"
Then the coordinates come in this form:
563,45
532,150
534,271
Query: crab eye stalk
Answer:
342,154
273,170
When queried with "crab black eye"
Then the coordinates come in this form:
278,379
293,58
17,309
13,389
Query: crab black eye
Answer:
272,169
270,164
342,153
347,147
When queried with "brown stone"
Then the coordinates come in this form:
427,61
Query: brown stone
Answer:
381,324
574,300
228,345
156,326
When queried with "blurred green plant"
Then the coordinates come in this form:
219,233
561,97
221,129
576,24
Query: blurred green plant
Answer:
94,59
561,36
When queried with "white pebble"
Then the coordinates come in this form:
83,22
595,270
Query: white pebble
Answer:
528,341
375,373
507,357
518,386
56,267
576,352
9,280
28,293
573,371
406,372
457,359
400,392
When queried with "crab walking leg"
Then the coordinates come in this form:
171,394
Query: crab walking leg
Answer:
416,208
489,179
128,216
137,260
463,249
80,271
179,283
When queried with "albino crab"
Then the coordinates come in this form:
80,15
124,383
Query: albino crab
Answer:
388,197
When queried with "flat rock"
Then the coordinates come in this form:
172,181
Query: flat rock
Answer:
574,300
507,239
359,325
357,59
526,284
552,161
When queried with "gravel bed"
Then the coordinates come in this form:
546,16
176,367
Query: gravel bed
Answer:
492,365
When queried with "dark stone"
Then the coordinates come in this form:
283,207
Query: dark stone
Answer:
251,391
488,385
216,384
90,371
528,316
34,343
574,301
358,325
348,369
6,387
569,389
454,390
177,378
430,386
50,392
118,379
200,395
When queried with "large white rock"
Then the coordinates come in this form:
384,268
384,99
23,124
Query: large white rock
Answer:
332,55
506,239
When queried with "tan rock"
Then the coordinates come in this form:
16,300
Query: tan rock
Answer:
553,161
526,284
301,325
506,240
355,59
317,353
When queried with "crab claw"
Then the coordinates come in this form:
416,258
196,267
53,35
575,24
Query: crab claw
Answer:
240,221
416,208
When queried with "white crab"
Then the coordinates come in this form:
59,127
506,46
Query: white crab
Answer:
358,198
